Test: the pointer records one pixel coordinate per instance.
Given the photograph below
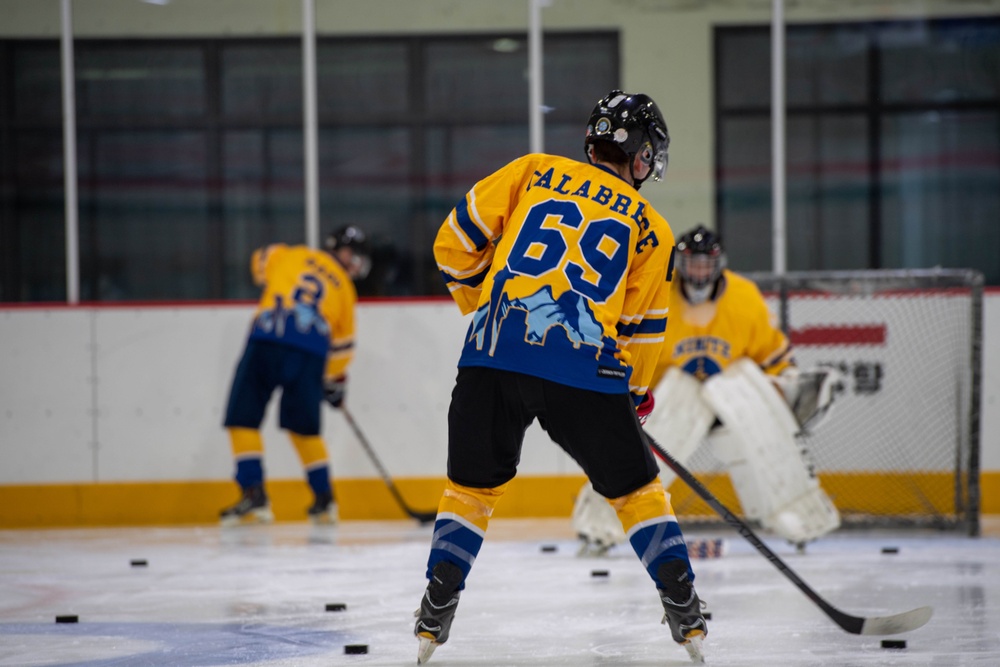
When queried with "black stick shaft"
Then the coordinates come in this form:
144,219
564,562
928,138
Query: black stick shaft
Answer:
852,624
422,517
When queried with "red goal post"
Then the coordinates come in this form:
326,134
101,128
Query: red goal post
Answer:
901,446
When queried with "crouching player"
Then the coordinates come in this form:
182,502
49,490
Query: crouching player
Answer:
726,376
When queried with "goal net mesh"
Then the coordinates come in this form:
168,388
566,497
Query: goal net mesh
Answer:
901,445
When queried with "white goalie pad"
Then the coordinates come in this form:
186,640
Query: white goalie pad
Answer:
766,465
596,522
680,420
679,423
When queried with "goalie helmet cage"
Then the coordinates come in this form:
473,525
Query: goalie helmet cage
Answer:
901,446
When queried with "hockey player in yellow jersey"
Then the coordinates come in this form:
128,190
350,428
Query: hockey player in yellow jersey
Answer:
719,317
726,372
301,340
565,268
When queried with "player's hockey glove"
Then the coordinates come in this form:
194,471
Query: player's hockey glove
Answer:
645,407
334,390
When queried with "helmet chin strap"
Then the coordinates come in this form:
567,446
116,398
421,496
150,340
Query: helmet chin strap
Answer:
636,182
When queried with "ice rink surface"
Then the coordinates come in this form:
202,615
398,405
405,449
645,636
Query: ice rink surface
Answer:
258,596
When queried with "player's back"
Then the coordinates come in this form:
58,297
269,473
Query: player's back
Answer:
553,299
303,290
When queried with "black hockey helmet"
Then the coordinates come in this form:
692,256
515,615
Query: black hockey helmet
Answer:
354,238
700,261
633,123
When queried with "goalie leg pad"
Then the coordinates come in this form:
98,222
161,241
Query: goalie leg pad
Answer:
766,465
595,521
680,420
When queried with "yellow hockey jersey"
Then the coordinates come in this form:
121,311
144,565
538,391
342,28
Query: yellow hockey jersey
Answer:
705,339
567,269
307,302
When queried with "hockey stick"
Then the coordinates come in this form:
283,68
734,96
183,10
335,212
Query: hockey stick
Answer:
422,517
874,625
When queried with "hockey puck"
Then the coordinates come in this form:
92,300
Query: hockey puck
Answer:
890,550
893,643
67,619
548,548
707,616
598,573
141,562
355,649
336,606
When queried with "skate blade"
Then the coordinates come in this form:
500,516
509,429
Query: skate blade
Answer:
248,519
426,649
694,649
323,520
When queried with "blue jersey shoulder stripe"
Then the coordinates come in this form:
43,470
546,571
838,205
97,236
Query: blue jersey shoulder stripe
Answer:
471,281
648,326
470,228
654,325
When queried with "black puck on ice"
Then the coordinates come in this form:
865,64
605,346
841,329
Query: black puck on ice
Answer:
707,616
336,606
890,550
548,548
67,619
598,573
893,643
355,649
139,562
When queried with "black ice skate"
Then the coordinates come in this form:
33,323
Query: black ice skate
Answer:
253,507
682,608
437,609
323,510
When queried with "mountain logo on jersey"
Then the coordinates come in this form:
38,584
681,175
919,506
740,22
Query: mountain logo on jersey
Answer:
306,319
570,312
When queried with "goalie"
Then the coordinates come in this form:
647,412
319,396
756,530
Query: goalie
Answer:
726,377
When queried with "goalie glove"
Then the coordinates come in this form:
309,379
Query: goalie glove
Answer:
645,407
334,390
810,394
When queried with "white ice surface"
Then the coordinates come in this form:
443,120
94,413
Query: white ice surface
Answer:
257,596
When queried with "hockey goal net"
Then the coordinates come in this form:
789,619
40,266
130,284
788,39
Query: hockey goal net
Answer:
901,446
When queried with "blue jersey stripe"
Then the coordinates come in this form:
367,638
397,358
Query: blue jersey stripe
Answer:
471,281
470,228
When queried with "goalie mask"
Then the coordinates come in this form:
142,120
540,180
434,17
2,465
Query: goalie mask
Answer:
358,263
700,261
634,124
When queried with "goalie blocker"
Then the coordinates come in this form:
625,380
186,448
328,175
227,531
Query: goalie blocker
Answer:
756,440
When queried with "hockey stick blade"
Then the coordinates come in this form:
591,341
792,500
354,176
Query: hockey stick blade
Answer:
423,517
899,623
856,625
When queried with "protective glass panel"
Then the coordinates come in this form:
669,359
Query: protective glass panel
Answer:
263,80
941,191
828,188
363,80
485,78
947,61
144,216
162,81
262,201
